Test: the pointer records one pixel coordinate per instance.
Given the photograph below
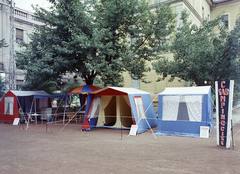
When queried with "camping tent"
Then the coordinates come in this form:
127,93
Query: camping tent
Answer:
181,111
115,107
28,101
83,91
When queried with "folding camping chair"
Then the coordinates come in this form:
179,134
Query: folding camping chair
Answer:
22,119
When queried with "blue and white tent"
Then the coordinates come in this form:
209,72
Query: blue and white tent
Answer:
119,108
181,111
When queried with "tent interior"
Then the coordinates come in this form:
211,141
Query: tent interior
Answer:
119,108
29,105
112,111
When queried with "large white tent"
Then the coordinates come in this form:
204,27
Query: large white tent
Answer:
181,111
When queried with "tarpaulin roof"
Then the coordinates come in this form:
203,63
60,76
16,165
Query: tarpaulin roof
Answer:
37,94
118,91
83,89
186,90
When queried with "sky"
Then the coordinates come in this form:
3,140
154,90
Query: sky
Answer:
26,4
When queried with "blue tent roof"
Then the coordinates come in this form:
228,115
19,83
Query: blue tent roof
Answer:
37,94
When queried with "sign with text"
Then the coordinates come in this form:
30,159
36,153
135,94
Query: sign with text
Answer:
204,132
133,130
224,100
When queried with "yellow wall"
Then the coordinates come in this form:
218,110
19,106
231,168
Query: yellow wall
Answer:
194,8
232,8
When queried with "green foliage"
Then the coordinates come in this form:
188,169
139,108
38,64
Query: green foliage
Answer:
37,60
3,43
71,84
200,55
93,40
2,86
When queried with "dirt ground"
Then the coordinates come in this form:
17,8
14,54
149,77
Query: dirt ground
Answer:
102,151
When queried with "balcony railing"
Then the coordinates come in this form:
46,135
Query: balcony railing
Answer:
18,13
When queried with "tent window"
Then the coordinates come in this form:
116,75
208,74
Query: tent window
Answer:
95,108
8,102
182,108
140,108
170,107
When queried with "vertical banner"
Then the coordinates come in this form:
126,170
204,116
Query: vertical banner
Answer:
224,101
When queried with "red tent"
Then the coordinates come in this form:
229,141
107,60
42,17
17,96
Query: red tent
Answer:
8,108
28,101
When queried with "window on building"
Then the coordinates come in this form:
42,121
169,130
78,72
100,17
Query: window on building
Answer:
135,83
19,35
208,17
133,38
203,13
225,21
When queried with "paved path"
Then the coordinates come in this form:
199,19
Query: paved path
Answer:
236,115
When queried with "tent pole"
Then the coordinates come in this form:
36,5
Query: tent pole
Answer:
65,108
232,133
121,126
146,118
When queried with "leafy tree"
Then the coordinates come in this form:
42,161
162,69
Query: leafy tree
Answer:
92,40
2,86
37,59
3,43
2,81
200,55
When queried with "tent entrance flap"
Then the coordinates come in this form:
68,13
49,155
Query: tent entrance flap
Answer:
115,112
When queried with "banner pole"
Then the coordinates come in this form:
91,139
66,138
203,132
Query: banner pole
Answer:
232,133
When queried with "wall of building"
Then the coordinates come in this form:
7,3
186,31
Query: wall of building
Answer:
195,9
23,20
231,8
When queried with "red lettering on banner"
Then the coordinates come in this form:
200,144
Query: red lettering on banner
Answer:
222,98
222,104
223,91
222,128
223,116
226,91
223,82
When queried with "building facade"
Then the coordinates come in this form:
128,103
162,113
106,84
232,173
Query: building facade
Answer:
198,10
24,24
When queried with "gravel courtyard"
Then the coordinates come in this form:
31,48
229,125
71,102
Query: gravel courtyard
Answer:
102,151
